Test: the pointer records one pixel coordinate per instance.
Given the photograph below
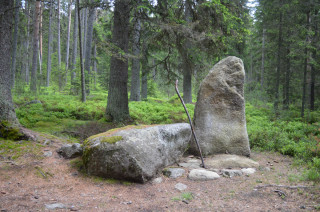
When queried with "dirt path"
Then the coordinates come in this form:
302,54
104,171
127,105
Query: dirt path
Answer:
23,187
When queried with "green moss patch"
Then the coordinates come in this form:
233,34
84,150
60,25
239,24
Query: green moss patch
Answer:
111,140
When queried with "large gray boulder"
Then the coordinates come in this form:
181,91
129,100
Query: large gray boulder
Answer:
135,154
219,116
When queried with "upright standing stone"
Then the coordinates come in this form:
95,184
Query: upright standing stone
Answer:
219,116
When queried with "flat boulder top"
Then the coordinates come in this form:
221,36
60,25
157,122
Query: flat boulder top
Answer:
221,161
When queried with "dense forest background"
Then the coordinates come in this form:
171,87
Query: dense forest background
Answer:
117,61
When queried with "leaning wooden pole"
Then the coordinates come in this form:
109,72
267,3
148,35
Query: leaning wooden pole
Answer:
192,130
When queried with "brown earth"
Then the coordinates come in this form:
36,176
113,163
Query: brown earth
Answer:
29,183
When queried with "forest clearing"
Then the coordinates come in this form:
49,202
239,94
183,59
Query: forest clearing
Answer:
72,71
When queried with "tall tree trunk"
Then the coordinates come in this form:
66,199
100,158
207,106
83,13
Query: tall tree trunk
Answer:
83,88
187,64
68,41
262,59
286,86
49,44
40,41
27,43
117,106
33,85
95,71
7,113
88,44
277,81
15,41
306,67
315,40
75,41
135,69
59,48
84,29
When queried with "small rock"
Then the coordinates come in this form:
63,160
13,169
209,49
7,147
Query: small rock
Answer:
231,172
74,174
174,172
185,201
47,154
180,186
200,174
55,206
248,171
190,165
157,180
73,208
302,207
70,151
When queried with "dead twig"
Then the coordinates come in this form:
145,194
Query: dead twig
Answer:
192,130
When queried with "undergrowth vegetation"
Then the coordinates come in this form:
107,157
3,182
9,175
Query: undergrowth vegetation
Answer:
65,115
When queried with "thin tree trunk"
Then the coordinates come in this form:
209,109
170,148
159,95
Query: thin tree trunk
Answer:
27,43
59,48
88,47
83,88
84,28
117,106
306,67
95,71
7,113
287,83
15,41
277,81
75,41
33,85
49,45
135,69
40,41
262,59
68,41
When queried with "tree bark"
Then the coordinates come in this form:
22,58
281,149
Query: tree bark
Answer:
117,106
88,44
287,82
95,71
15,41
49,45
33,85
27,43
59,48
40,40
135,69
306,67
262,59
75,41
68,41
7,113
277,81
83,88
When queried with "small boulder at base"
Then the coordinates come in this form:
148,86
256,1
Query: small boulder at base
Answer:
173,172
202,175
135,153
219,116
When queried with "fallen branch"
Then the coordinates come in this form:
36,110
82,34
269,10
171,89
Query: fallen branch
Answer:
282,186
192,130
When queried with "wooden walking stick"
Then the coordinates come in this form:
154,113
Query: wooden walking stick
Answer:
192,130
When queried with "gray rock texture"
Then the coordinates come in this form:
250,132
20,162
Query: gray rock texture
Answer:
70,151
173,172
55,206
202,175
225,161
219,116
135,153
180,186
231,172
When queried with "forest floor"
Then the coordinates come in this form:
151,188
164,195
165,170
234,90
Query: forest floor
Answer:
33,181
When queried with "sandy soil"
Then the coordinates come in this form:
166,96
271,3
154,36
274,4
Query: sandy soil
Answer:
23,187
